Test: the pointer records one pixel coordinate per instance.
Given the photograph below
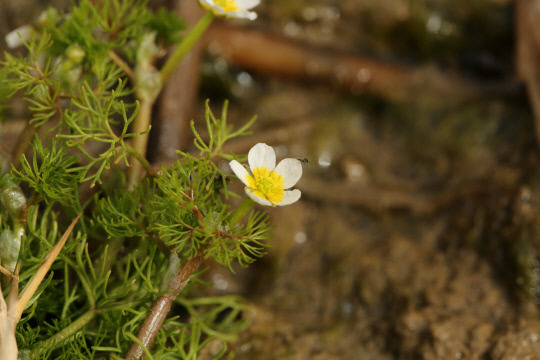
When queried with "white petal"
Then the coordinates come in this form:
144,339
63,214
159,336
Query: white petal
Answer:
242,14
247,4
262,155
239,171
15,38
291,170
258,199
290,197
210,5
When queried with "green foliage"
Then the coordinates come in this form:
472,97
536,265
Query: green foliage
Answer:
77,80
218,132
71,79
51,173
185,207
167,26
35,77
92,118
5,91
115,25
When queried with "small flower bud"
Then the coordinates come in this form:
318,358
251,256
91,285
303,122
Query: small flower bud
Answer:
10,245
11,196
75,54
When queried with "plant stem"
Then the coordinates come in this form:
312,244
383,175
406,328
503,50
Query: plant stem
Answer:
144,163
22,144
187,43
241,211
66,332
121,64
155,318
161,307
140,125
142,122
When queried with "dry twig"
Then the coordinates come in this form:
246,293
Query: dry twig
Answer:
11,309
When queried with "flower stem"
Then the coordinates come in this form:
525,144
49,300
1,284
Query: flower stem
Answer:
66,332
142,122
140,125
24,140
240,211
144,163
186,45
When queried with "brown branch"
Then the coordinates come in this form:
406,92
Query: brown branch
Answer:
279,56
198,215
195,210
379,200
179,96
224,234
161,307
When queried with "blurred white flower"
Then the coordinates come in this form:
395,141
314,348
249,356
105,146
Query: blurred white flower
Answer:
231,8
16,37
269,184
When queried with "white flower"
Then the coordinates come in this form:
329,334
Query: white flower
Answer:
231,8
16,37
23,33
269,184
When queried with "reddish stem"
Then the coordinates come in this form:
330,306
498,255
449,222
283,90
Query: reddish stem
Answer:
157,315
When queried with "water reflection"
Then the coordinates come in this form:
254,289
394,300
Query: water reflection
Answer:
325,160
300,237
219,282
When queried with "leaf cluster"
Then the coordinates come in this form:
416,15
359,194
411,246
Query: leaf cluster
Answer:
186,208
114,25
51,174
73,78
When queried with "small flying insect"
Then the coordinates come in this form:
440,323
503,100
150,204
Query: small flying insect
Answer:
303,160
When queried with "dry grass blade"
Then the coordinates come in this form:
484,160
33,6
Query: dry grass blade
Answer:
42,271
8,342
6,272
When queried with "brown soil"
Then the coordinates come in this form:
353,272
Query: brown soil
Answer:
409,260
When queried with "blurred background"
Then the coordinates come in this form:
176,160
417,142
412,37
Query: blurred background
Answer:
417,233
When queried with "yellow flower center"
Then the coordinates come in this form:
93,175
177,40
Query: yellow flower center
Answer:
227,5
267,185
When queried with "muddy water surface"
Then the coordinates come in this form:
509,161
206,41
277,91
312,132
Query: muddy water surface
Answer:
417,233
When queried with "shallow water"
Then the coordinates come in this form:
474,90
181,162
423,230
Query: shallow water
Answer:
415,237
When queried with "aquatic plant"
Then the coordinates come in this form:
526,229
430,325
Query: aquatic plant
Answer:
100,242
